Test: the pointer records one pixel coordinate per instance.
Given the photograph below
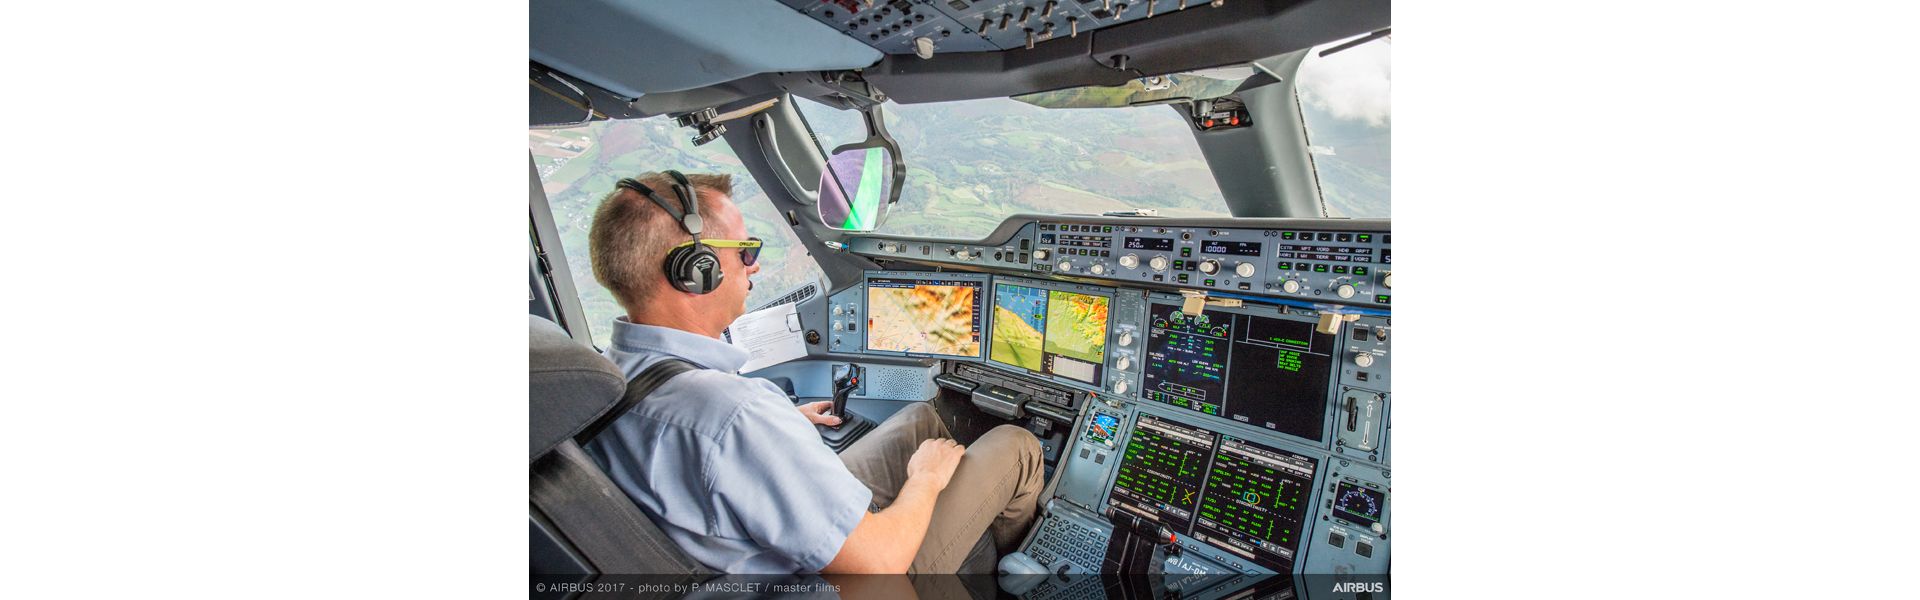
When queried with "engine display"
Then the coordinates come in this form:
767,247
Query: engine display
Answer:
1263,371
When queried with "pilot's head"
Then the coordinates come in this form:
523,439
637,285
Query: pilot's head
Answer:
630,240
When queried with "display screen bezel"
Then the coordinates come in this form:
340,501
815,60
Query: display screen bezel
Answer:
1221,431
1326,390
926,278
1101,372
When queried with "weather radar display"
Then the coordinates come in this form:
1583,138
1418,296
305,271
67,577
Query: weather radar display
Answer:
1050,331
924,316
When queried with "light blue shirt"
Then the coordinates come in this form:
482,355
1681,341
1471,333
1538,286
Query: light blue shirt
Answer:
724,464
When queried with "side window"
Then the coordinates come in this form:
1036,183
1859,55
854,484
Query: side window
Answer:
579,165
1347,106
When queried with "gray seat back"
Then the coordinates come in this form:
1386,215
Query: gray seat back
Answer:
581,523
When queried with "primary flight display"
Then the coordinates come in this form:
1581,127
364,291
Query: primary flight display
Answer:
1047,331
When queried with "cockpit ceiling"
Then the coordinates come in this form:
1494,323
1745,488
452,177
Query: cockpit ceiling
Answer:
668,56
637,47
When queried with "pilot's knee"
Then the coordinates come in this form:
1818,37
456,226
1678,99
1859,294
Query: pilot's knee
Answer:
1017,437
918,410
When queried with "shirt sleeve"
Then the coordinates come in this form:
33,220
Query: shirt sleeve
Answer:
789,492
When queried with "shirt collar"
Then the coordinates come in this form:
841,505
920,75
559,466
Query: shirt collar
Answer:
698,349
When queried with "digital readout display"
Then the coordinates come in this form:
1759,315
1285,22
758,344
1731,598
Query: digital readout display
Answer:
1234,248
1157,244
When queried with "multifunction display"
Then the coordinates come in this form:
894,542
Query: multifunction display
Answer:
1267,372
1242,497
919,315
1161,474
1048,331
1255,502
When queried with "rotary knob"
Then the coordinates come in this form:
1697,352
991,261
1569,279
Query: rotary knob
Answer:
1097,269
1066,266
1378,529
1122,363
837,311
1159,263
1130,261
1120,387
1363,359
1243,269
1126,339
1040,254
1388,280
1345,290
1209,266
1291,286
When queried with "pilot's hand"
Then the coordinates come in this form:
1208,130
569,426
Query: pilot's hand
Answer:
813,411
935,461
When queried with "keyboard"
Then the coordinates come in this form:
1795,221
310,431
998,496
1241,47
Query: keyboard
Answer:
1061,539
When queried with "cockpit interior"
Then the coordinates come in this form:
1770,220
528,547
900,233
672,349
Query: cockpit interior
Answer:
1210,387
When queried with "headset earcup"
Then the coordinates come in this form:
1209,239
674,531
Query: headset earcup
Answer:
694,269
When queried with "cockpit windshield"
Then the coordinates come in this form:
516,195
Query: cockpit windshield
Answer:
972,163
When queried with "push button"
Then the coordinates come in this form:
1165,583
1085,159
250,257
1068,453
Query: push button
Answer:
1337,540
1363,549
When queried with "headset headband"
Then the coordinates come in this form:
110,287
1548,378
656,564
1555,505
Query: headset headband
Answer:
689,214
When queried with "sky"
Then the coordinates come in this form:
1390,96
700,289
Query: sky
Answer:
1354,84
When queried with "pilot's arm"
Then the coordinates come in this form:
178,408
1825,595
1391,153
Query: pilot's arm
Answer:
886,541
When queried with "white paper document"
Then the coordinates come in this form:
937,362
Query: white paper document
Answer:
771,336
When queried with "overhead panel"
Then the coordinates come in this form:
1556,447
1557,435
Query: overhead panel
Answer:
894,26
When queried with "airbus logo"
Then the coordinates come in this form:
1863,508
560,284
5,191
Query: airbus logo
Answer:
1354,587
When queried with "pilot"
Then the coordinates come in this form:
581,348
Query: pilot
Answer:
736,474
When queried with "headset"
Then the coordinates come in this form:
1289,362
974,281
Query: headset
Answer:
692,269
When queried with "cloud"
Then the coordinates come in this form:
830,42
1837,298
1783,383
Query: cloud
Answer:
1354,84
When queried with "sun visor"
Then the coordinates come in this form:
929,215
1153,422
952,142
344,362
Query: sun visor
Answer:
638,47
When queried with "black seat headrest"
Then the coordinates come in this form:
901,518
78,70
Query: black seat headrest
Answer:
569,385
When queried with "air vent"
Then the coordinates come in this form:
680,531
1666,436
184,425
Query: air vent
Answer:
899,383
800,294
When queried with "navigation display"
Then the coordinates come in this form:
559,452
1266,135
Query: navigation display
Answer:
1263,371
1162,471
1255,502
1050,331
924,316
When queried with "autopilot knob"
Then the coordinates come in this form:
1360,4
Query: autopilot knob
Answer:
1041,254
1363,359
1209,266
1345,290
1066,266
1387,281
1244,269
1097,269
1130,261
1291,286
1159,263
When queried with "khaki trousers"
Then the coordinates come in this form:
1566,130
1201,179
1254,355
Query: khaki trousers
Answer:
995,489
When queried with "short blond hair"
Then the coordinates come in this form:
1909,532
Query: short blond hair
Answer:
631,235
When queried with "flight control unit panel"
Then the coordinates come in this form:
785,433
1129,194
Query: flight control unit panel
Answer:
1226,382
